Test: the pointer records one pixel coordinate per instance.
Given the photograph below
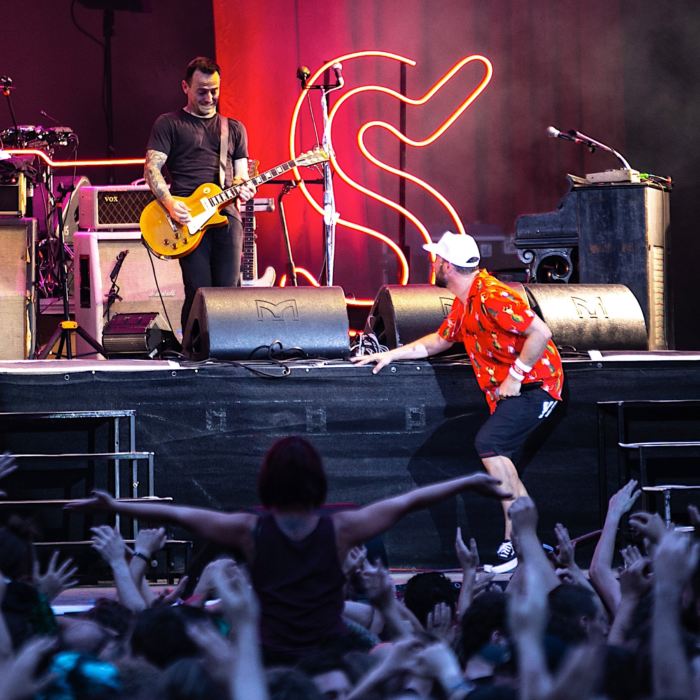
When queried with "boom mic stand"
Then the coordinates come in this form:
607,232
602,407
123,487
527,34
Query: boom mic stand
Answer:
66,327
330,214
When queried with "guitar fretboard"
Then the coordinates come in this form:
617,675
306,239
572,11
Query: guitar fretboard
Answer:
232,192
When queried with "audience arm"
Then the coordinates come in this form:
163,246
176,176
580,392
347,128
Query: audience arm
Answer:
601,572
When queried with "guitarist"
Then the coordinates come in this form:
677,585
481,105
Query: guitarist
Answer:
188,142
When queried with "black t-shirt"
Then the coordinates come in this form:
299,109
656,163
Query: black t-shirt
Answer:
192,146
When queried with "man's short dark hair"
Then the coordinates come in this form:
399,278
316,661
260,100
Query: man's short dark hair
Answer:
203,65
465,270
292,476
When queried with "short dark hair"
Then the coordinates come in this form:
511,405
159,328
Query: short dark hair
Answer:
203,65
466,270
487,614
425,590
292,476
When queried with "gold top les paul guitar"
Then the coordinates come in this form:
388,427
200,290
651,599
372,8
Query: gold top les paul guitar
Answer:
168,239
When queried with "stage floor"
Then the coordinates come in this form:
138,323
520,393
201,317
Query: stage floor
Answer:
209,424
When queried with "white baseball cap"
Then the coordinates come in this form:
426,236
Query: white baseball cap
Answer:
457,248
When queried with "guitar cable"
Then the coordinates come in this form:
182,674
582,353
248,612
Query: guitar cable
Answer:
160,295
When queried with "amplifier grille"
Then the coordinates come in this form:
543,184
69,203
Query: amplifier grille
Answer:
113,207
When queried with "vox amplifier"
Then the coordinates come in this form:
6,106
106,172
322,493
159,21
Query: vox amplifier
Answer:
113,207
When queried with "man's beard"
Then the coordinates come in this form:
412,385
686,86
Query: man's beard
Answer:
440,279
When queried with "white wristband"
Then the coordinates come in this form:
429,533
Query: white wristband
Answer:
522,366
515,374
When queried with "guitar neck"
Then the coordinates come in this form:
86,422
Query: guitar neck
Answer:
227,195
249,261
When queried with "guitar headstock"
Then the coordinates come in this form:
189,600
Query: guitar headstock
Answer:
317,155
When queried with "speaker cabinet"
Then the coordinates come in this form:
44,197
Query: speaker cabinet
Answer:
401,314
95,256
17,295
590,316
249,323
623,240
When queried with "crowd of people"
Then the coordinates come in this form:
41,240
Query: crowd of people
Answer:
293,607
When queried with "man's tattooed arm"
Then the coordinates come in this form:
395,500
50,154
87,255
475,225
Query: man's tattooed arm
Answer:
178,210
152,173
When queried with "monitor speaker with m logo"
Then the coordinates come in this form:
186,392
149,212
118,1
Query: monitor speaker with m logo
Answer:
254,323
590,316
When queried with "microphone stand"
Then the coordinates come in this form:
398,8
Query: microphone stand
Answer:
592,144
291,268
330,213
6,86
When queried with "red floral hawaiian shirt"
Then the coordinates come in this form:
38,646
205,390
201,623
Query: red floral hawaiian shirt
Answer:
491,326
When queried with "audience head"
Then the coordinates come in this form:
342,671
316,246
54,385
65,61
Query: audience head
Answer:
291,684
327,671
292,476
424,591
188,679
484,629
160,634
575,614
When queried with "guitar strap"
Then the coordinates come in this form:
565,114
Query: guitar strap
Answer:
223,152
225,165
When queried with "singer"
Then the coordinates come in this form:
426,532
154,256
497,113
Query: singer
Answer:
188,143
516,364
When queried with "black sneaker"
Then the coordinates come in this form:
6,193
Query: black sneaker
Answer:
506,558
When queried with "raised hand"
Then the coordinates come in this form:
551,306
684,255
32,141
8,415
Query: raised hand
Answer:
205,586
440,622
649,525
18,675
354,561
622,501
109,543
55,579
675,559
523,515
636,578
565,547
100,500
468,557
150,540
236,593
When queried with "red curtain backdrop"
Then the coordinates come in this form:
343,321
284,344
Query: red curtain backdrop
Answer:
554,63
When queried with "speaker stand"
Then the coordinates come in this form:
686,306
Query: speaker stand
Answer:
66,327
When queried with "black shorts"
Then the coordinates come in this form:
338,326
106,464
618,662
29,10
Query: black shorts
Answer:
507,429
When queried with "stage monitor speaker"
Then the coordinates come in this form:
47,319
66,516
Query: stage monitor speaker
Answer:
401,314
590,316
17,289
254,323
95,256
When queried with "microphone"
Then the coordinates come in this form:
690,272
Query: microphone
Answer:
338,70
6,85
118,265
570,135
303,74
45,114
